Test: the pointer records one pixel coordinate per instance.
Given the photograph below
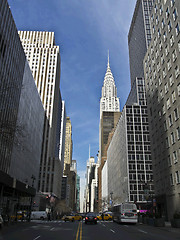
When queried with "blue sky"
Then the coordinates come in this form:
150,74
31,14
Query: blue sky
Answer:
84,30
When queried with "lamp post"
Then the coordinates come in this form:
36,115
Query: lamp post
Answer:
111,193
33,179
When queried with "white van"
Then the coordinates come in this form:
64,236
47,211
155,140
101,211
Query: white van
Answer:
39,215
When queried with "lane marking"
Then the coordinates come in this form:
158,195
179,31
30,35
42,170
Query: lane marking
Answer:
126,225
77,234
81,232
142,231
37,237
103,225
112,230
52,229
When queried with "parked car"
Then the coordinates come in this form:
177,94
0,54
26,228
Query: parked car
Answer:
69,217
91,217
1,221
39,215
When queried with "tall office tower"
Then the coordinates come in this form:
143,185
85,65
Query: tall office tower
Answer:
162,76
62,135
109,115
139,37
109,101
129,163
44,60
91,185
21,120
78,193
68,143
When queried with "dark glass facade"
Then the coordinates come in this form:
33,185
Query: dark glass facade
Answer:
12,63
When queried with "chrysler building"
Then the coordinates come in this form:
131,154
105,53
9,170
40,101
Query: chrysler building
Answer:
109,101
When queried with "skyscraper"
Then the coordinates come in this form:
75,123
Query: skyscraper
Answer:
44,60
109,101
109,115
21,120
162,77
68,143
139,37
129,163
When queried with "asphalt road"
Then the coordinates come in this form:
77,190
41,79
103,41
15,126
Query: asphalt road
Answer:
44,230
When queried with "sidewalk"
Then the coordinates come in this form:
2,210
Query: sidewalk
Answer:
166,228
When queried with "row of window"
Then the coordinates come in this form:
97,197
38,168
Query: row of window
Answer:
140,166
139,147
173,158
174,137
170,119
136,110
140,177
175,179
139,157
144,128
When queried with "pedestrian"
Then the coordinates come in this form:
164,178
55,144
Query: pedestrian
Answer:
49,216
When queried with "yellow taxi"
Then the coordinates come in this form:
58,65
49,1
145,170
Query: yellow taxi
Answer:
105,217
72,217
77,217
69,217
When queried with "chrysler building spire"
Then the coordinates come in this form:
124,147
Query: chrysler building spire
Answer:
109,101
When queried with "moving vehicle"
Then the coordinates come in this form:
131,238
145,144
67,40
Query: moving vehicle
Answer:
125,213
104,216
91,217
77,217
69,217
39,215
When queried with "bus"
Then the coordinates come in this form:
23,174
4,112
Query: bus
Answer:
125,213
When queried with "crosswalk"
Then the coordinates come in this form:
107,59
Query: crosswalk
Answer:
59,221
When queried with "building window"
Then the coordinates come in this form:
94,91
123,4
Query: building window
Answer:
172,3
167,13
171,179
167,49
172,138
178,133
166,88
172,40
177,29
170,120
174,55
175,157
168,103
178,89
160,81
164,36
177,177
176,115
159,34
169,161
169,65
171,80
177,71
175,14
162,59
173,96
169,26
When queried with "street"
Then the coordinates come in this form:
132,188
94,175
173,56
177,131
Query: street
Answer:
44,230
